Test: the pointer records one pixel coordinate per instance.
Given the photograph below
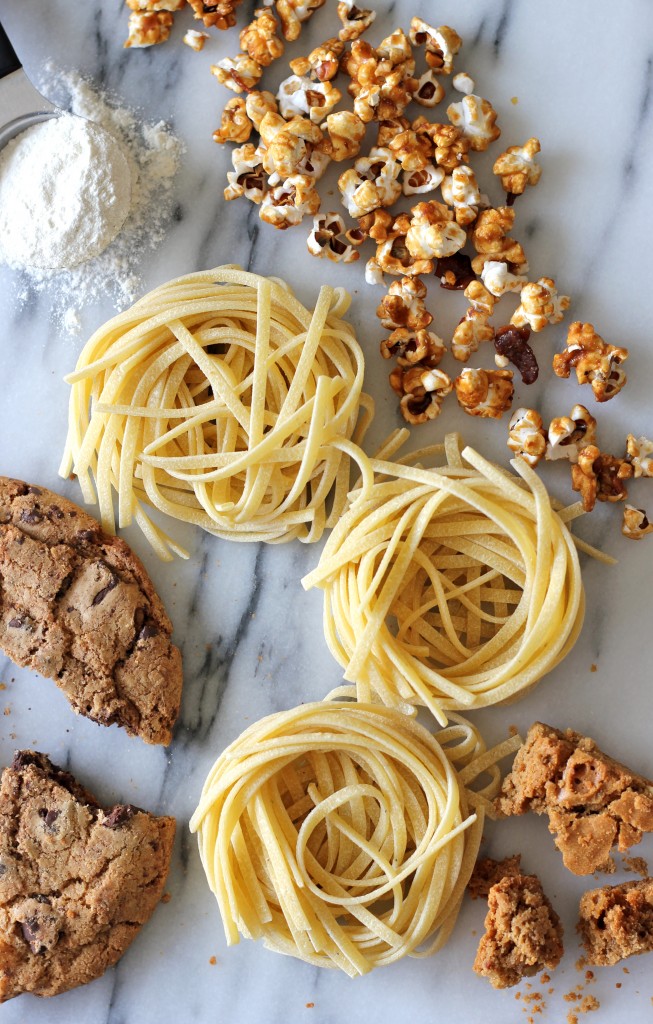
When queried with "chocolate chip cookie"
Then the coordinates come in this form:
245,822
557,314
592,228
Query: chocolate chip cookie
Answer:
77,882
77,606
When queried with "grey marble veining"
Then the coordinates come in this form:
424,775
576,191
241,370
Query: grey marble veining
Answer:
251,637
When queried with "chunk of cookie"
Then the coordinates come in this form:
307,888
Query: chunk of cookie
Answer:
76,882
616,921
592,801
523,934
77,606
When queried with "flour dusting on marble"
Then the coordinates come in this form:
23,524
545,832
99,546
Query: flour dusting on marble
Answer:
154,154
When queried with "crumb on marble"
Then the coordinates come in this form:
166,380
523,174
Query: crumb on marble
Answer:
593,667
166,897
309,1006
213,960
514,100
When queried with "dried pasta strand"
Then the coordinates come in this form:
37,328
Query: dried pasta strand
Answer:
454,587
220,400
342,833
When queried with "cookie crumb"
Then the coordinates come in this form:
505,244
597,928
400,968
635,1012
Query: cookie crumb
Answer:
594,668
617,984
589,1004
7,710
309,1006
213,960
636,864
166,897
572,1018
3,686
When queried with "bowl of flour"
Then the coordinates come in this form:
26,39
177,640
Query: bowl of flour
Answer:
65,193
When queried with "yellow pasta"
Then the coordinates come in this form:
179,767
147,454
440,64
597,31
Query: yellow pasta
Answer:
220,400
343,834
453,588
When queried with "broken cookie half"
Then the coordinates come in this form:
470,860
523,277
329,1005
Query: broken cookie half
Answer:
77,882
77,606
593,802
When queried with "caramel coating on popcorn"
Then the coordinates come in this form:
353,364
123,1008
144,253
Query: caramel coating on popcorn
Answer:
293,13
460,190
568,434
239,73
413,150
635,524
372,182
393,255
450,147
440,44
148,28
258,104
480,298
260,39
382,80
292,147
355,20
491,240
599,475
540,305
288,203
302,95
322,63
595,361
221,15
526,436
414,347
517,168
235,125
403,306
476,118
433,231
345,132
422,391
327,239
640,455
470,332
485,393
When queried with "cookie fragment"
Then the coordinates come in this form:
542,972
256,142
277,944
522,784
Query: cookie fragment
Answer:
523,934
77,606
592,801
616,921
77,882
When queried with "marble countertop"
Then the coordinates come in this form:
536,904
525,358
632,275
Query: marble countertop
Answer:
251,638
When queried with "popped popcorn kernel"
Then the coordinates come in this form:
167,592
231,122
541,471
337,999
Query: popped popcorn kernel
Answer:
540,305
485,393
526,436
568,434
635,524
596,362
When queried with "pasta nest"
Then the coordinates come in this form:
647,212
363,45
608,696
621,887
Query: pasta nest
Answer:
221,400
342,834
455,587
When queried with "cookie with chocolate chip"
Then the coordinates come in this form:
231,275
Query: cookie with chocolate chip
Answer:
77,606
77,882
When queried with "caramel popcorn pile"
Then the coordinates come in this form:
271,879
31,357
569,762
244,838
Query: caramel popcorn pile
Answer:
284,143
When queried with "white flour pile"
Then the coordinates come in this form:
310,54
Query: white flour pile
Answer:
65,192
153,154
